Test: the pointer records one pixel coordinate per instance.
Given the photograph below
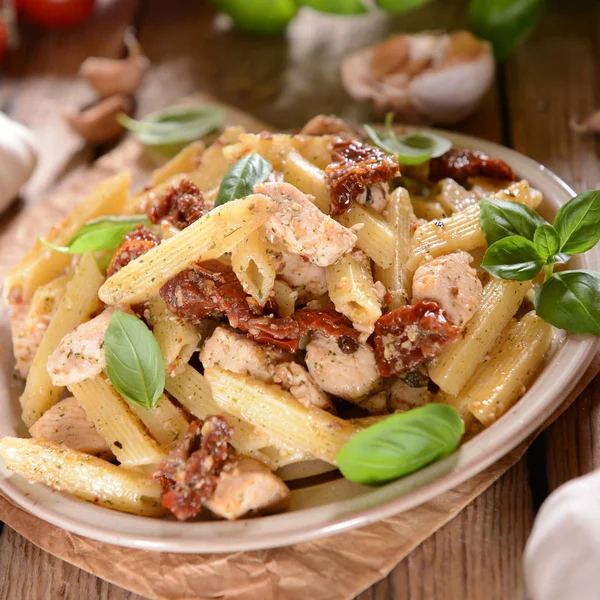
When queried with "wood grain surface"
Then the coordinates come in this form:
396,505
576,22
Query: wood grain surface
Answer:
554,77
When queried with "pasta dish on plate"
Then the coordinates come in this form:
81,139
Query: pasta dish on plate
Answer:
268,300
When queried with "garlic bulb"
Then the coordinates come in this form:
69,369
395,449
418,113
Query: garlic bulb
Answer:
18,157
423,78
563,552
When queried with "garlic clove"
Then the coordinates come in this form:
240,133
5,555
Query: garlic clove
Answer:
423,78
98,124
590,125
18,157
117,76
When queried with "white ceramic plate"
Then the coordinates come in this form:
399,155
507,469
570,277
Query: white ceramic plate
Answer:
320,507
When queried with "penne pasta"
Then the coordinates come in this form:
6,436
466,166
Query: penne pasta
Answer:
428,209
41,265
184,161
287,421
80,300
217,232
165,422
178,339
514,361
375,236
82,475
457,362
253,263
351,289
116,423
285,298
308,178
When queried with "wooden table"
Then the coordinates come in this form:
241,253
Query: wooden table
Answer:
554,77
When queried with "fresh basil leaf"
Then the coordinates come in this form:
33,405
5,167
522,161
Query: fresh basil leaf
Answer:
505,23
242,176
134,362
546,241
578,223
401,444
571,301
263,17
339,7
410,148
558,259
104,233
168,130
501,218
400,6
513,258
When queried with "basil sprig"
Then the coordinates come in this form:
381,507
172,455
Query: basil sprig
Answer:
134,361
104,233
410,148
521,244
167,131
242,176
401,444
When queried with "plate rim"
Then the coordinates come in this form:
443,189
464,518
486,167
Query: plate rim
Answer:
343,515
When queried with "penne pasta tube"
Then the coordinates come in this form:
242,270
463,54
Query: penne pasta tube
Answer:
80,300
308,178
192,390
253,263
456,364
184,161
502,380
41,265
375,236
178,339
116,423
351,289
428,209
82,475
217,232
289,423
165,422
285,298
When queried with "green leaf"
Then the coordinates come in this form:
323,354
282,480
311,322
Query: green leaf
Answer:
410,148
134,362
578,223
505,23
400,6
571,301
168,130
104,233
501,218
513,258
401,444
263,17
242,176
546,241
339,7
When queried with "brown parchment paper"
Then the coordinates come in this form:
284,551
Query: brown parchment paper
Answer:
333,568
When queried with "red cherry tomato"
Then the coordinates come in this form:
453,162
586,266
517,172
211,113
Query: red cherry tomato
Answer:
56,13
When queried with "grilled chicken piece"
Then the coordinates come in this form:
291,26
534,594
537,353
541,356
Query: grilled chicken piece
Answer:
375,197
234,352
245,488
299,382
302,228
80,354
307,279
452,283
350,376
66,423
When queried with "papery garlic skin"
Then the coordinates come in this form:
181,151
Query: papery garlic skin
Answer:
423,78
18,157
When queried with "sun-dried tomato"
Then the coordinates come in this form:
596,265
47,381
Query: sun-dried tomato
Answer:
211,289
134,244
461,164
355,167
183,205
189,475
410,336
